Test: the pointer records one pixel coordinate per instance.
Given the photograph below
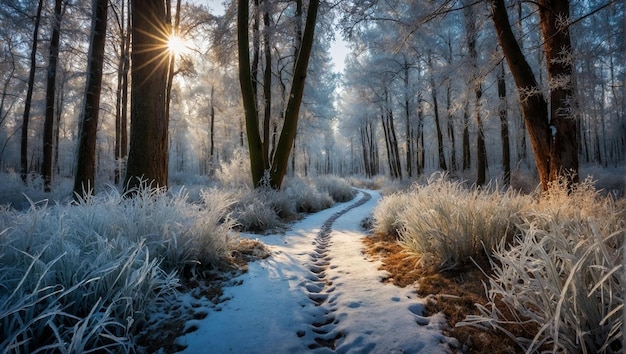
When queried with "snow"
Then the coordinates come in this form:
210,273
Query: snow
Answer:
318,293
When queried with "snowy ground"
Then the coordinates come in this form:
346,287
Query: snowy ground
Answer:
318,293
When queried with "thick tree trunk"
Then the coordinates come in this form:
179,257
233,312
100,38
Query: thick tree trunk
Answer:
534,106
248,93
554,18
86,166
148,155
48,125
553,134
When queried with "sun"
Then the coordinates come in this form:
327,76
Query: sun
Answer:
177,45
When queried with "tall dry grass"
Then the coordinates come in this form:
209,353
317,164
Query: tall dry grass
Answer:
446,223
557,259
564,274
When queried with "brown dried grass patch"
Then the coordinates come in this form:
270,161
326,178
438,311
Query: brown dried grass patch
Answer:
454,293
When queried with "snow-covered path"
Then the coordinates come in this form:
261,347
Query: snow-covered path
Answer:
318,293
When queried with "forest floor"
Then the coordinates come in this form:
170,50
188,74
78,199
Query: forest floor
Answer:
453,293
318,292
330,286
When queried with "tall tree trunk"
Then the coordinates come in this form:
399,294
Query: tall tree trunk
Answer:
48,124
476,82
553,138
86,166
554,19
467,152
394,145
267,83
407,122
60,101
534,106
364,149
288,133
449,117
504,127
29,97
387,144
248,93
171,71
433,90
121,101
212,133
419,133
148,155
481,151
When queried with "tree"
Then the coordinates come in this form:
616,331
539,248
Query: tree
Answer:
86,166
53,57
29,97
504,126
476,83
121,94
148,153
553,133
260,163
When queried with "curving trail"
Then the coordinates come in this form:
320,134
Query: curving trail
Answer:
320,288
318,293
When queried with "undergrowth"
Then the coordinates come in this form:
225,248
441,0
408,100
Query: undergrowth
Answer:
556,258
88,276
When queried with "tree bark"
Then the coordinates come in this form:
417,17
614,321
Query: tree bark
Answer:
554,19
476,82
433,90
504,127
467,152
121,111
29,97
267,84
148,154
553,134
86,166
534,106
248,93
48,125
409,128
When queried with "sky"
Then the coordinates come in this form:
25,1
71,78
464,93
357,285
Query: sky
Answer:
318,288
338,49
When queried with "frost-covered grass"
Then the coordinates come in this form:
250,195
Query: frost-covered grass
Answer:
88,276
263,210
306,197
338,189
15,193
446,223
564,274
557,259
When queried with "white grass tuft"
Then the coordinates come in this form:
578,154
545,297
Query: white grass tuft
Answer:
337,188
87,276
307,198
